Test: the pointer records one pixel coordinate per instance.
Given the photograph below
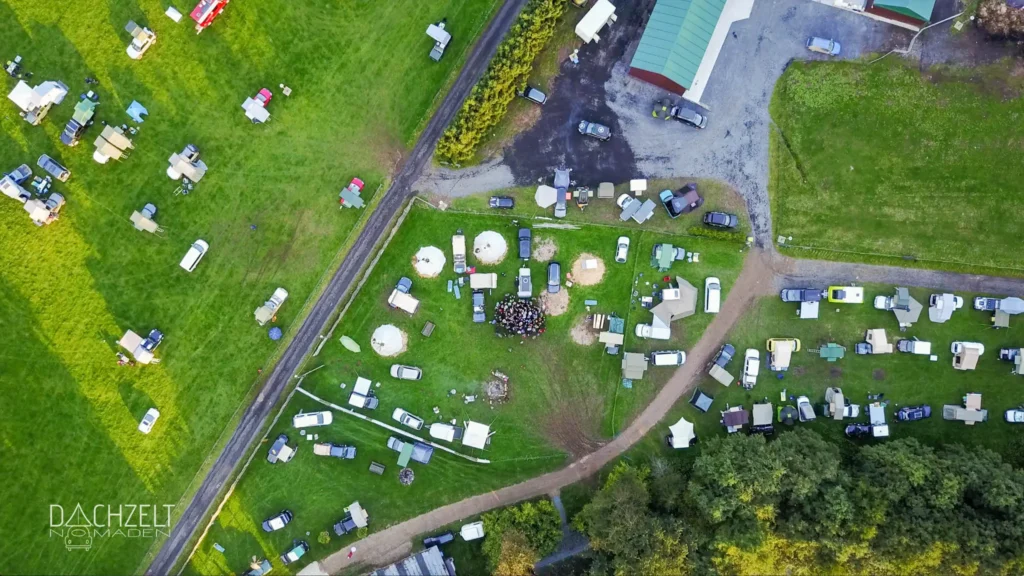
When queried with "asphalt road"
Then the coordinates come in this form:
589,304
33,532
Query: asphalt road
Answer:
255,415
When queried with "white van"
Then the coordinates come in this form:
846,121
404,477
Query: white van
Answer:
668,358
654,332
712,295
194,255
311,419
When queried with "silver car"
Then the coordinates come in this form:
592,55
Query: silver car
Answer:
823,46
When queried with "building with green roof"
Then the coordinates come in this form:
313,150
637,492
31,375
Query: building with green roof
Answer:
917,12
675,41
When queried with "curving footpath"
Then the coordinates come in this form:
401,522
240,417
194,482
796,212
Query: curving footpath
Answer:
251,425
764,272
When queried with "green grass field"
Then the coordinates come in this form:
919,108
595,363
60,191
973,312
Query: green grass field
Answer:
362,91
887,160
905,379
564,399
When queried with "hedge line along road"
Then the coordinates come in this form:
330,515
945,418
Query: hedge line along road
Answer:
255,415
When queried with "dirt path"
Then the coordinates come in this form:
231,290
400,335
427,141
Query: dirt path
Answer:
392,544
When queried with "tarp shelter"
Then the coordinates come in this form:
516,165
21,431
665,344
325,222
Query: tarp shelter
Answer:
633,365
359,516
876,414
907,309
721,375
477,435
700,400
606,190
941,308
681,434
809,310
546,196
879,343
676,303
143,223
255,111
136,111
601,14
967,359
1011,305
483,281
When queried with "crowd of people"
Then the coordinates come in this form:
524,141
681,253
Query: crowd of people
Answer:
515,316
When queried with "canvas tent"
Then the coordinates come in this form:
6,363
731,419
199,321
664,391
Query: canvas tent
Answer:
111,143
633,365
605,190
676,303
479,281
181,166
601,14
879,343
477,435
681,434
35,102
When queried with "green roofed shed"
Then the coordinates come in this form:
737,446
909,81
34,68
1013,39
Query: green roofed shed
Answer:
915,9
674,42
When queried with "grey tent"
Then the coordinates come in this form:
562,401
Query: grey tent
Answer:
907,309
941,307
676,303
1011,305
633,365
700,400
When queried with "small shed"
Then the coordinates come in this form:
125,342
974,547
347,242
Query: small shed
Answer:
600,15
681,434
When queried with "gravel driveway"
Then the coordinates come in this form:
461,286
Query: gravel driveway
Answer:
733,148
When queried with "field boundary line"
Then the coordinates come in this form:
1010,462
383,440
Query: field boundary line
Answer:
909,258
389,427
234,483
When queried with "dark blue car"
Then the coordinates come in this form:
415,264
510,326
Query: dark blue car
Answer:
911,413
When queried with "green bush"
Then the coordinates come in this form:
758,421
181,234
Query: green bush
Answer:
538,521
716,234
999,19
507,73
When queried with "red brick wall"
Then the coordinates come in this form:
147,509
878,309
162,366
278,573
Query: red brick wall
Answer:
657,80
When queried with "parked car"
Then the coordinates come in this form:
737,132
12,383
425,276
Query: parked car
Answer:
406,372
712,295
312,419
280,451
334,450
195,253
985,303
438,540
298,551
407,419
595,130
668,358
525,243
420,452
503,202
554,277
54,168
911,413
858,430
724,356
721,220
73,131
823,46
622,249
804,409
479,315
689,116
682,201
534,95
146,425
801,295
524,283
345,525
751,367
404,285
1015,415
277,522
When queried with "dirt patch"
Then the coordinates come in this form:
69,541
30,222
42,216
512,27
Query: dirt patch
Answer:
569,427
591,275
555,304
545,250
582,334
878,374
799,371
835,372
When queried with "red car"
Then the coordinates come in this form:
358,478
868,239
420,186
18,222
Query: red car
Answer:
205,12
350,194
263,97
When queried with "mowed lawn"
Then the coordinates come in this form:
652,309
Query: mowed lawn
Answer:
904,379
565,398
363,87
885,159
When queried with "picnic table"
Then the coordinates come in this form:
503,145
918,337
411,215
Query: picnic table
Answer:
832,352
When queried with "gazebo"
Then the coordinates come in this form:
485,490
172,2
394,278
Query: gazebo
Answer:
681,434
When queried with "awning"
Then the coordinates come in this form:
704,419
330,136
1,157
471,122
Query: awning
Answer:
809,310
116,137
876,414
359,516
23,96
107,149
546,196
143,223
682,434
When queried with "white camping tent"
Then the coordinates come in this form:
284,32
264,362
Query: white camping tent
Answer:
477,435
255,111
682,434
601,14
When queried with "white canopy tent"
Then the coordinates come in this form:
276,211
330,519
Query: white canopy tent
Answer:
546,196
477,435
682,434
255,111
601,14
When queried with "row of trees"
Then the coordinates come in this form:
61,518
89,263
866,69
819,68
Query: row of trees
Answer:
518,536
796,505
506,74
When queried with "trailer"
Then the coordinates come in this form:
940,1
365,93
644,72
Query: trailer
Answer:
459,252
481,281
403,301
